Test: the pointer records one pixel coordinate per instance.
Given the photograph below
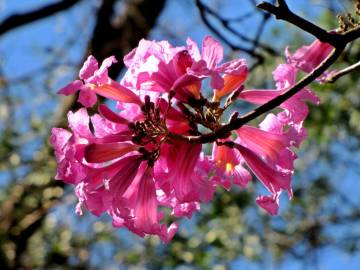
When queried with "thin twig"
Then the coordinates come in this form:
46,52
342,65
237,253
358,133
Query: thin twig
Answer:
18,20
335,76
281,11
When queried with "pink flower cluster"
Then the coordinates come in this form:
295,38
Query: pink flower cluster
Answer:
131,163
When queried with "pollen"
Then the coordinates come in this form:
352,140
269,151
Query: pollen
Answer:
229,167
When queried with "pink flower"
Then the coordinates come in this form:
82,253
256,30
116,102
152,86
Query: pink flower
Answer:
269,203
181,179
95,80
267,153
146,215
95,199
295,107
157,66
69,147
72,147
132,162
229,167
207,64
271,146
135,203
309,57
275,180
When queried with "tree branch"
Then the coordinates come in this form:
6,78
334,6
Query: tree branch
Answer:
282,12
203,9
342,72
339,41
236,123
17,20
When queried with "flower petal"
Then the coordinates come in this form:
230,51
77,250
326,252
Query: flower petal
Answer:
71,88
273,180
89,68
127,170
101,74
105,112
87,97
146,215
212,52
269,203
117,92
193,49
262,142
97,153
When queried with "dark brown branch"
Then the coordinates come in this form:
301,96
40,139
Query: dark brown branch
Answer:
236,123
17,20
339,41
226,23
282,12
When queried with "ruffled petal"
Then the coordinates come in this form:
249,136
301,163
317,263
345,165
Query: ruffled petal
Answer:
274,180
87,97
309,57
101,75
212,52
193,49
269,203
79,123
89,68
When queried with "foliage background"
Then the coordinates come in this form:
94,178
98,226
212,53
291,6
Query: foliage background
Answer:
41,51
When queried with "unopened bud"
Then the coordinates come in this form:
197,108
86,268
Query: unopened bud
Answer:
147,99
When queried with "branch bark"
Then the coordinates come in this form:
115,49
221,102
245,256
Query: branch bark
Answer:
282,12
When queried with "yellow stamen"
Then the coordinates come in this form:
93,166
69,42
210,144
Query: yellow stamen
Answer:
229,167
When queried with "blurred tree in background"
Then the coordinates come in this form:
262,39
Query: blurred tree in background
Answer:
41,47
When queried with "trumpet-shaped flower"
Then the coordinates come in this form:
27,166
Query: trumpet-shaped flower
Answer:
309,57
132,162
95,80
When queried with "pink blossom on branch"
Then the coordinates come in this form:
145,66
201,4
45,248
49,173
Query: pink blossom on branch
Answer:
95,80
309,57
160,67
132,164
